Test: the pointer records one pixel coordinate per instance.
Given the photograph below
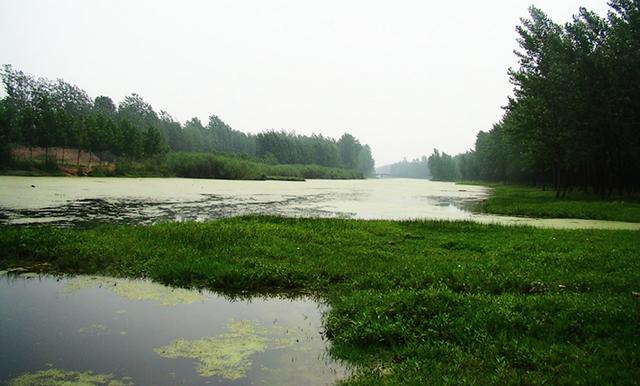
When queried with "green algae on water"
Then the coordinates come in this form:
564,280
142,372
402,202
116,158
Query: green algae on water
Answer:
95,329
228,355
58,377
136,290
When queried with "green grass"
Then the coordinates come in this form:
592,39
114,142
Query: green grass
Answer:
30,168
534,202
411,302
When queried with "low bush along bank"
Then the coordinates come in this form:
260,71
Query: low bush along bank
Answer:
188,165
202,165
411,302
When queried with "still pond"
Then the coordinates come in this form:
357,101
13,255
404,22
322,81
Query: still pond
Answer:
100,330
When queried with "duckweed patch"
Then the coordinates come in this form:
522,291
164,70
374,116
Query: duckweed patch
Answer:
96,329
136,290
58,377
229,355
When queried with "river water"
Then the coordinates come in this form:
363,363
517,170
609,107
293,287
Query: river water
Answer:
85,201
100,330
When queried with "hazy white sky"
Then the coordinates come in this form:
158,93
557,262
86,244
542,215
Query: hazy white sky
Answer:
402,76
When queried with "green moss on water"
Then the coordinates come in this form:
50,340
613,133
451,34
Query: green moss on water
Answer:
136,290
227,355
96,329
58,377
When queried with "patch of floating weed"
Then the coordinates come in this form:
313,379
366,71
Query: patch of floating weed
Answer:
136,290
229,355
95,329
57,377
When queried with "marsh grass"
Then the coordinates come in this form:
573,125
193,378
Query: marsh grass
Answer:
202,165
188,165
419,302
31,168
534,202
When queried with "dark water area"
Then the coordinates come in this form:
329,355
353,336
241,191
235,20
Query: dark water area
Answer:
93,211
137,332
85,202
89,201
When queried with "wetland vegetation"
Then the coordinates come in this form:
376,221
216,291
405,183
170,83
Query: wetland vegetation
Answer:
414,302
411,298
526,201
74,134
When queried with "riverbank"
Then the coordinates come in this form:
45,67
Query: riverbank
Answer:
416,302
185,165
524,201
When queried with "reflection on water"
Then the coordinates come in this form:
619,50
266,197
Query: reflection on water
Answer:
86,201
87,329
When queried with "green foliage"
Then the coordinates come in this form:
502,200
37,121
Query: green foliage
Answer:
573,119
38,112
32,167
291,148
415,302
531,202
203,165
417,168
152,143
131,140
443,167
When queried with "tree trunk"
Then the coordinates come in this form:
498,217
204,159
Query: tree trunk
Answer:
556,180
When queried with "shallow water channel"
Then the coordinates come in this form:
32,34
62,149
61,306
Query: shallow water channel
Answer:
85,201
96,330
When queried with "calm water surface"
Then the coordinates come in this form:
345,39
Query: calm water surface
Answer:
138,332
78,201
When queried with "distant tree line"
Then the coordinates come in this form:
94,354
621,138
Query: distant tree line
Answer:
42,113
574,118
416,168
